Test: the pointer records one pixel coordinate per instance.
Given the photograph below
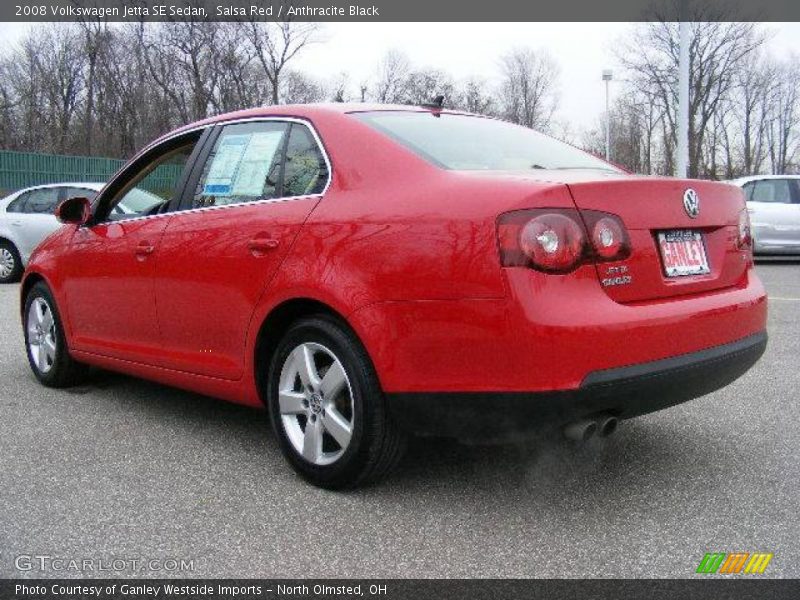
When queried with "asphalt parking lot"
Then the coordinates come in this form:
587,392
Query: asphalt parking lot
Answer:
122,468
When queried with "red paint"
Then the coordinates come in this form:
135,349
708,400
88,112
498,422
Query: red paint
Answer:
408,254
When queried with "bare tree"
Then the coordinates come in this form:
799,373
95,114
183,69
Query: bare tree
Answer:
275,45
529,87
183,63
784,118
472,97
423,85
717,50
392,76
299,88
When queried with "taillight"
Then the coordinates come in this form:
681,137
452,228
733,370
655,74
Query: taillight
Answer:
556,240
553,242
608,236
745,237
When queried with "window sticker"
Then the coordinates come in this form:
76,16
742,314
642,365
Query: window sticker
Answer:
222,172
256,162
241,164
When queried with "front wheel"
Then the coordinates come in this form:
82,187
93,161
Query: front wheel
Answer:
327,408
45,341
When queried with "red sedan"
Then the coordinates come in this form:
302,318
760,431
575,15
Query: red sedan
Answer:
369,272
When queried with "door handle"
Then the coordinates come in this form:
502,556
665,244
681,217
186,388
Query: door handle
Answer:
16,223
259,246
144,249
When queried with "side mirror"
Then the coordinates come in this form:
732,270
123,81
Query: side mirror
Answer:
76,211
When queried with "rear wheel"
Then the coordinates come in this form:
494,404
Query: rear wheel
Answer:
10,262
45,341
327,408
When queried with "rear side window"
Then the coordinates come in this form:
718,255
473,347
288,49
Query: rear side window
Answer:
772,190
306,171
244,166
465,142
42,201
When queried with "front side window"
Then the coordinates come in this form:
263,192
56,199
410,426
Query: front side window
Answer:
463,142
244,165
154,184
772,190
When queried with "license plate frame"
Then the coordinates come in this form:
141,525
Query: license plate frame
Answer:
683,253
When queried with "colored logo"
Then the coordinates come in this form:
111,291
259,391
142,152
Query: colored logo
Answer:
734,562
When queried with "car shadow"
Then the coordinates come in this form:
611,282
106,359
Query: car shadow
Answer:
646,456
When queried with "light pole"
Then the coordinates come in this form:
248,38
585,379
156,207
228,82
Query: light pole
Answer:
682,151
608,75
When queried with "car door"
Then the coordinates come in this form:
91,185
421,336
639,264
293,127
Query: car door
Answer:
109,278
774,213
243,210
31,218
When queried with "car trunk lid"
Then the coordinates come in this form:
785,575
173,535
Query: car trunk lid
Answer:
649,207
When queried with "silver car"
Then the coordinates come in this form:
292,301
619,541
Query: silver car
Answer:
26,218
773,202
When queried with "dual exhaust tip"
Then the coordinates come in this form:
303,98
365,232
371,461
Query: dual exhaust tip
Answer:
582,430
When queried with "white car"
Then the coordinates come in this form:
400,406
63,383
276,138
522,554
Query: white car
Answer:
27,217
773,202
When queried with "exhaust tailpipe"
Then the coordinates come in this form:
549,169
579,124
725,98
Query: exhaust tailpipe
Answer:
580,431
606,425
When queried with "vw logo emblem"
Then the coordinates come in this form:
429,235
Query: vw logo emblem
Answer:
691,203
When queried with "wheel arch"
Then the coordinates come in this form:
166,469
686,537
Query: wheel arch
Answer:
6,238
28,281
276,323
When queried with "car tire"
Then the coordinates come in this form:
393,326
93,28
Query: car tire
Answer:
45,343
10,263
340,390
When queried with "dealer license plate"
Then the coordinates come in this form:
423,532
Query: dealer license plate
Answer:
683,253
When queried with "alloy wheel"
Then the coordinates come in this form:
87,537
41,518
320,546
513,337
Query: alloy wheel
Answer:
42,341
316,403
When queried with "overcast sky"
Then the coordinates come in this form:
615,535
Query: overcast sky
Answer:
582,50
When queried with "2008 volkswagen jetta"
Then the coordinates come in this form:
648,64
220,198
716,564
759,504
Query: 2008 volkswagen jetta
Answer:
366,272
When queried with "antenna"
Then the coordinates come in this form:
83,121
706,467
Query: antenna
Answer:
438,102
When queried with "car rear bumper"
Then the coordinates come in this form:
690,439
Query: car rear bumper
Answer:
548,333
624,392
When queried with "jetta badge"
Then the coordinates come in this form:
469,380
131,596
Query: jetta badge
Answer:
691,202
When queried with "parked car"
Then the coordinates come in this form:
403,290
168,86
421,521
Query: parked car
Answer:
26,218
367,272
774,205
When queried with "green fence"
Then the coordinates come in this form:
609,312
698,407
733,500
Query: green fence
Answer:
23,169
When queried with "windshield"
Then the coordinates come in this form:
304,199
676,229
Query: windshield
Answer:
464,142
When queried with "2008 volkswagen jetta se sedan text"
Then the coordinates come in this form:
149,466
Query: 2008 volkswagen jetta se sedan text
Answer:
370,272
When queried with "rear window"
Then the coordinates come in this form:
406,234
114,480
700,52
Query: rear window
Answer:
471,143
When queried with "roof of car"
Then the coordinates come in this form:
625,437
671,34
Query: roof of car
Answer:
90,185
302,111
743,180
